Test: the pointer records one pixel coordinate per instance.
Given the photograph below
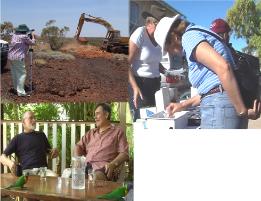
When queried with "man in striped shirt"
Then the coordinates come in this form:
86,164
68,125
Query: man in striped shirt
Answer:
18,49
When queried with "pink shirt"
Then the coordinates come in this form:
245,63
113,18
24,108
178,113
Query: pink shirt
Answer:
101,149
19,46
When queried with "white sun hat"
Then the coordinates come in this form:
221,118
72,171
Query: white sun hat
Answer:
162,31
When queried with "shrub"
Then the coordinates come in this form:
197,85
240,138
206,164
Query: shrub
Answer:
54,35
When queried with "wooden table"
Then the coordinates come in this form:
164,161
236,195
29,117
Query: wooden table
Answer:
49,190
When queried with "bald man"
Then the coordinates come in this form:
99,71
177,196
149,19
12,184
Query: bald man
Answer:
31,148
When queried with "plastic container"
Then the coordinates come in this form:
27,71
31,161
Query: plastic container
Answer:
78,172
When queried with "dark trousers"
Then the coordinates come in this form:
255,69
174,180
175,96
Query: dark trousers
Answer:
148,87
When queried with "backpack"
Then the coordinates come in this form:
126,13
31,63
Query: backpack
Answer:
247,72
247,76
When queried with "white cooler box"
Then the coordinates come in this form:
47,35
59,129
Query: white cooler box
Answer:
147,112
180,121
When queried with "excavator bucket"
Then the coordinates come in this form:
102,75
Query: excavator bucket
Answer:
83,40
112,42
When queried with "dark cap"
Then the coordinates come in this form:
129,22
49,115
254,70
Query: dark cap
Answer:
22,28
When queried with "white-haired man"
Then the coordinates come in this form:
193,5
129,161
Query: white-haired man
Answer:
31,148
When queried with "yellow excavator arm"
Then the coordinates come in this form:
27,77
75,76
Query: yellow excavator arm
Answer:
112,42
88,18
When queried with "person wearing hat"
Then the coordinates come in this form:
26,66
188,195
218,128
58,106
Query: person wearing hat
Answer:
222,28
144,75
209,63
18,49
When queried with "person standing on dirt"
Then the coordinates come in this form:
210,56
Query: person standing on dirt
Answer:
20,42
144,76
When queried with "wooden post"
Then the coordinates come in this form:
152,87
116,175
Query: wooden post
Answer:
73,129
82,130
63,166
46,129
4,142
54,161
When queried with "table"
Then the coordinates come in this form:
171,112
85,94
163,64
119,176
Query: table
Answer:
47,189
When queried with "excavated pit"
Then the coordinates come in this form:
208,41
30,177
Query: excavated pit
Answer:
93,75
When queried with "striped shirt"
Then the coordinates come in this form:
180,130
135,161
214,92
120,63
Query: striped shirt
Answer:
101,149
19,46
200,76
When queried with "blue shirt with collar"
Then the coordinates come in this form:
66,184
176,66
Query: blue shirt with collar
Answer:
200,76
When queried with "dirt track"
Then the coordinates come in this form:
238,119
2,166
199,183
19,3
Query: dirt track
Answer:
92,76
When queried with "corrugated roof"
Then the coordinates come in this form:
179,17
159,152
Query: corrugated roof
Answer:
165,4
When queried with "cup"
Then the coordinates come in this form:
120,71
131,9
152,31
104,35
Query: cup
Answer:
91,176
42,172
59,184
78,172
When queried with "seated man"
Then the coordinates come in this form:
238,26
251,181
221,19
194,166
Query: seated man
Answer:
105,147
31,147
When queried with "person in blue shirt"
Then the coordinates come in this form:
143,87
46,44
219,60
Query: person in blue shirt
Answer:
210,64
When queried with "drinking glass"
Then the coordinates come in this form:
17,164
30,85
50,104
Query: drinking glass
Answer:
42,172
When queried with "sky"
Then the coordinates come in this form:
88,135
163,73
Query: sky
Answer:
204,12
35,13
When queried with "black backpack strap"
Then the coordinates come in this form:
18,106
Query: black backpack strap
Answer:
208,32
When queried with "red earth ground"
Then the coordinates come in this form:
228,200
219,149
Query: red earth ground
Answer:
93,75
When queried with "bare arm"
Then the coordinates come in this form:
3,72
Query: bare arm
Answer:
115,163
177,107
78,151
122,157
9,163
30,41
133,50
54,153
207,56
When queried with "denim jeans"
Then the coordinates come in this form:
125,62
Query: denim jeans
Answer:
217,112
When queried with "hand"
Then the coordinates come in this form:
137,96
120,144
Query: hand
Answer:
136,94
12,167
255,112
109,168
54,153
174,107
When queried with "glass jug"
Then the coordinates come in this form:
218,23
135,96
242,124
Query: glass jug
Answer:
78,172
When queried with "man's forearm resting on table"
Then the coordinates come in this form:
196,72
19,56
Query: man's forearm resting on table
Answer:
120,159
6,161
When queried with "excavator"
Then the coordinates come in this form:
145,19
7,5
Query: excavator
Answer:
112,42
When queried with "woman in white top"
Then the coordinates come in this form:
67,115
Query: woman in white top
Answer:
144,76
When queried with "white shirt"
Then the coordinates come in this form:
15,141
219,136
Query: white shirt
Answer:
146,63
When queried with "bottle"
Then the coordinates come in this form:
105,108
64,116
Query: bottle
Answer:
78,172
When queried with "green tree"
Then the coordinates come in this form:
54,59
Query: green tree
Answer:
79,111
6,29
54,35
245,20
